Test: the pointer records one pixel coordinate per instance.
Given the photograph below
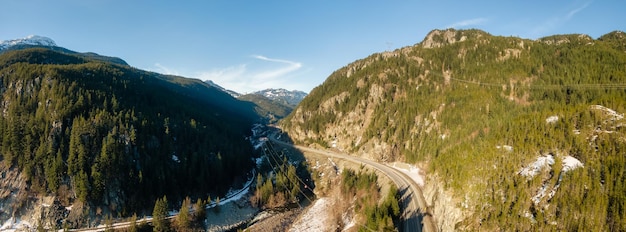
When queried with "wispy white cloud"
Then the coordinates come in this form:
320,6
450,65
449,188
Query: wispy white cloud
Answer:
574,11
164,70
232,77
467,22
249,77
228,74
270,74
557,20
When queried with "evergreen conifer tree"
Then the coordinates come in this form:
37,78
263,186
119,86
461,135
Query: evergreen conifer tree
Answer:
159,215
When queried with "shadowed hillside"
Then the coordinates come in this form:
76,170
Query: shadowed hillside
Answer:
113,138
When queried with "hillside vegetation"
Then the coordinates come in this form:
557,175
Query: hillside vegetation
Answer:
274,104
478,109
270,109
115,138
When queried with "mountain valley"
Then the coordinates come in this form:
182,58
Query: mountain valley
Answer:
498,133
101,138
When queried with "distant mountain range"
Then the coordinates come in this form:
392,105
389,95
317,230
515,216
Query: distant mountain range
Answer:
280,95
35,41
283,96
272,104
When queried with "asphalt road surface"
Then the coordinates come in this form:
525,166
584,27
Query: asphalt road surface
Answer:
414,205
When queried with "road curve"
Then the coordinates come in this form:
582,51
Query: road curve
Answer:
415,216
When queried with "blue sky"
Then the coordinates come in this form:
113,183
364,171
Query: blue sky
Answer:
252,45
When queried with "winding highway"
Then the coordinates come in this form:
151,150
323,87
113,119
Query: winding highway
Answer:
415,216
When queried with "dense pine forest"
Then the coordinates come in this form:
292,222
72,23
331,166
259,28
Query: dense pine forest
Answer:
477,109
116,138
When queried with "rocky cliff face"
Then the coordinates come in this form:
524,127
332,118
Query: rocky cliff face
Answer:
13,191
471,108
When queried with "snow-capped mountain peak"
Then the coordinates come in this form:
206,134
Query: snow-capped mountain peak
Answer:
289,97
28,40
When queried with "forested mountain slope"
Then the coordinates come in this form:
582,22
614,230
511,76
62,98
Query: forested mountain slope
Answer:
112,137
272,110
501,121
34,41
274,104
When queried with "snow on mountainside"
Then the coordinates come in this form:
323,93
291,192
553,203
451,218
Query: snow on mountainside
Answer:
41,41
28,40
282,95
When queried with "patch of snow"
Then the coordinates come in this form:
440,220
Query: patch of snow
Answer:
410,170
29,40
542,191
258,137
540,194
175,159
551,194
534,168
258,144
530,216
571,163
13,224
291,97
616,116
552,119
348,221
69,208
316,218
234,195
259,161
